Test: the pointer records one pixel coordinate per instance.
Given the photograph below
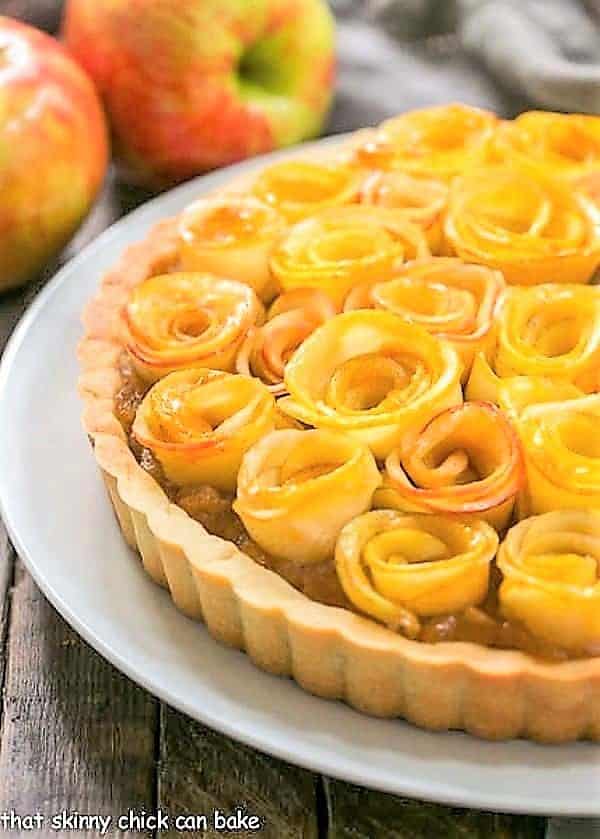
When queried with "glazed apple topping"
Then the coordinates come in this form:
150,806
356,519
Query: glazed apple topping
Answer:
405,434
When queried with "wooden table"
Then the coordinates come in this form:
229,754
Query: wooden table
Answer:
77,735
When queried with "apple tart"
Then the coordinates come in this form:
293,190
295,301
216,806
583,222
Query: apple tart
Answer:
337,437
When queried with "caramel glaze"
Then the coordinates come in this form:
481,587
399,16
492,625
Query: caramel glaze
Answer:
482,625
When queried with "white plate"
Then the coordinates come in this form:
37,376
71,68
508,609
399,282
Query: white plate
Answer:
60,520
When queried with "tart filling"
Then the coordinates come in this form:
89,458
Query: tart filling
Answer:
421,201
562,451
291,319
291,498
297,489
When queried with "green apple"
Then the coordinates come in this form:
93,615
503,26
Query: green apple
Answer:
190,85
53,149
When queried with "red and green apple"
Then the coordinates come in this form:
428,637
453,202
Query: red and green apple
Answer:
190,85
53,149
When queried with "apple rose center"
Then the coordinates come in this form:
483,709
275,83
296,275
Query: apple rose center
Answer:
364,382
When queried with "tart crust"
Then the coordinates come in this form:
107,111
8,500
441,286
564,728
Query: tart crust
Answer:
329,651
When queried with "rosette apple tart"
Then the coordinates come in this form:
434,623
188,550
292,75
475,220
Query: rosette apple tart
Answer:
347,410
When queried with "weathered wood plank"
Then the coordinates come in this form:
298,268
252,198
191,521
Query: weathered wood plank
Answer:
201,770
7,559
76,734
356,813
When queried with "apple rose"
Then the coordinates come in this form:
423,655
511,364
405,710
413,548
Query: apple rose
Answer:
438,142
550,581
446,296
297,489
562,453
515,393
292,318
231,236
199,423
421,200
565,144
467,461
340,248
175,321
301,188
551,331
533,228
398,567
373,375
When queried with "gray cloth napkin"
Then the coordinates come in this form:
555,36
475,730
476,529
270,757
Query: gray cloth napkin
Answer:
539,52
548,49
379,75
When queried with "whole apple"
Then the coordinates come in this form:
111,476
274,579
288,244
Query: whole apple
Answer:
53,149
190,85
